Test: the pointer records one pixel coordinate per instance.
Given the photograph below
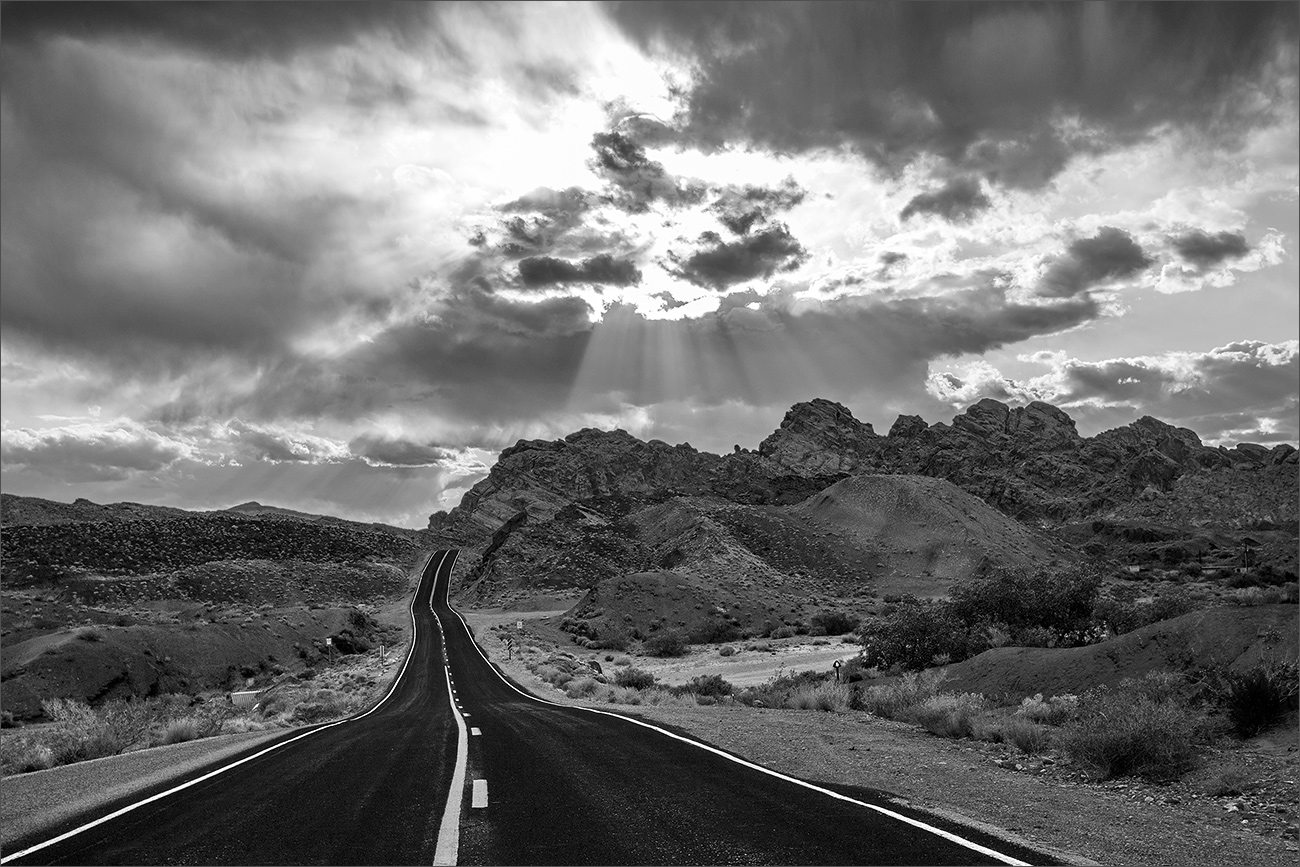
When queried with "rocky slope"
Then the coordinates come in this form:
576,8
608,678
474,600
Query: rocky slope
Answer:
102,602
1146,492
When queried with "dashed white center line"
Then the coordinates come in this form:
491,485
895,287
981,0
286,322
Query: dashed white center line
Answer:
479,798
475,732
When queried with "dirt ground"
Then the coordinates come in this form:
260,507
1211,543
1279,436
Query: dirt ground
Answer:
1036,801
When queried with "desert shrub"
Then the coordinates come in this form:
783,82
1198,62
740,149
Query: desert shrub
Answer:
324,704
1052,711
726,650
712,685
1134,730
777,690
784,632
6,720
888,700
634,678
613,638
828,696
1059,600
1235,779
23,754
713,631
179,730
948,715
1260,697
669,642
834,622
91,635
1025,734
581,687
913,636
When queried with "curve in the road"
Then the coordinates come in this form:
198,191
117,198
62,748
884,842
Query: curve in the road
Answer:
427,575
952,838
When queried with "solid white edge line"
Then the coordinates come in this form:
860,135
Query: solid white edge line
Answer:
221,770
947,835
448,847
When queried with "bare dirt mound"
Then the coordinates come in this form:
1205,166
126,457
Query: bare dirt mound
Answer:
636,606
1233,636
925,533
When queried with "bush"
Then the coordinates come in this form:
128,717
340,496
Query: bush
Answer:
1053,711
1026,735
827,696
1128,732
634,678
711,685
834,622
784,632
888,700
179,730
948,715
913,637
726,650
1256,699
1059,601
714,631
667,643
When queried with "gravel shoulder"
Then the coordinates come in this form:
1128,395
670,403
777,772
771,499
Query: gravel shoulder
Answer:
1035,802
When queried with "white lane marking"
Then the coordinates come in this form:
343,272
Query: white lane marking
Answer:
475,732
221,770
448,848
479,799
962,841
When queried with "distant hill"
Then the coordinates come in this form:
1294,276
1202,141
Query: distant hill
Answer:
16,511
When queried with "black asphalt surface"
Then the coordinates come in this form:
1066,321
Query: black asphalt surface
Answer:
567,786
564,786
368,791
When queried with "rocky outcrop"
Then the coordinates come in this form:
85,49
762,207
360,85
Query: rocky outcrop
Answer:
820,438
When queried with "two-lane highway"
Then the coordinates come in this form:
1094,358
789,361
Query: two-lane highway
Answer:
370,790
531,782
571,786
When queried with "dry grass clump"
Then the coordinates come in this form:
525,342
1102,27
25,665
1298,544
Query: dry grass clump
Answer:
827,696
949,715
889,700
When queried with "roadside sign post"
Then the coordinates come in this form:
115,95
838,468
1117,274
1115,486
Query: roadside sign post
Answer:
836,666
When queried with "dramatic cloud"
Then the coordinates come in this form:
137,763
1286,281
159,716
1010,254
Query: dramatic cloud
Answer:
724,263
959,199
91,451
639,181
270,443
543,271
1111,254
1249,386
1009,90
741,209
336,256
1205,250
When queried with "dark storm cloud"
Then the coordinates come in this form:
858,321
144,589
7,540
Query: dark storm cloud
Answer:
980,85
1110,254
722,263
637,179
743,208
545,271
395,452
1205,250
959,199
234,30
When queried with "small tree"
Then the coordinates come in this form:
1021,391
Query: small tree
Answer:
913,636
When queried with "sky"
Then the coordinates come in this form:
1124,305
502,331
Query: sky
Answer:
335,257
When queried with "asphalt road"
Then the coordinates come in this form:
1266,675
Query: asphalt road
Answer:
368,791
543,784
568,786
